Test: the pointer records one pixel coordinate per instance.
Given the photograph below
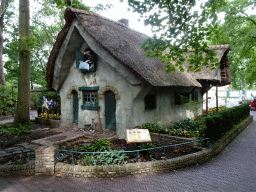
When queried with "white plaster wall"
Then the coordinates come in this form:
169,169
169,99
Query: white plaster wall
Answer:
166,110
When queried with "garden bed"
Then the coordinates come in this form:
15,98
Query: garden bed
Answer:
38,132
120,144
51,123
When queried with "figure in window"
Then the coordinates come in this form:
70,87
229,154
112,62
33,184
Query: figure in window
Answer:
88,61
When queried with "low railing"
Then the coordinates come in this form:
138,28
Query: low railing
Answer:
24,151
60,156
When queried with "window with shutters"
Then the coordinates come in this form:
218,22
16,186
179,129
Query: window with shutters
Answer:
86,61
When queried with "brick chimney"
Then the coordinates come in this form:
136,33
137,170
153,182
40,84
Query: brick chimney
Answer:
124,21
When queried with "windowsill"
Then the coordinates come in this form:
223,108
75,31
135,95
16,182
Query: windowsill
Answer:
91,70
90,107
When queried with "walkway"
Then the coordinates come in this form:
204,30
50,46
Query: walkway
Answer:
33,115
233,170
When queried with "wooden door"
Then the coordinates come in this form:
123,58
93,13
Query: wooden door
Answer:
110,110
75,106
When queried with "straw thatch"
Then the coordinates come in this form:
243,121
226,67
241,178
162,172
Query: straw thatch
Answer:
124,45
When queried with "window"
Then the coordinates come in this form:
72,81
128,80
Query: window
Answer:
90,98
181,98
195,96
150,101
86,61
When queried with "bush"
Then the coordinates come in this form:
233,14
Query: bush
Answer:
97,145
103,158
7,102
219,123
20,130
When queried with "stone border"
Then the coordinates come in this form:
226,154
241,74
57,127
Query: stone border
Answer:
26,169
45,163
73,88
154,166
53,123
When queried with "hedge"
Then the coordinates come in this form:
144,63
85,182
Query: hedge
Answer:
220,123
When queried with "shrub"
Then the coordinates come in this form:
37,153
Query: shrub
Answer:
147,153
102,145
97,145
20,130
220,123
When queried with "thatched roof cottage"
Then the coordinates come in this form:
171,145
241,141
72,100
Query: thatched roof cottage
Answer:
102,75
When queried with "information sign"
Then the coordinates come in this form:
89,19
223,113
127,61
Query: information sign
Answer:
137,136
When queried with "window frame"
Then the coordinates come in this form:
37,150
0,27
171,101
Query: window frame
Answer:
89,91
177,98
81,57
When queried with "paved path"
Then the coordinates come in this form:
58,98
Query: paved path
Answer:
33,115
233,170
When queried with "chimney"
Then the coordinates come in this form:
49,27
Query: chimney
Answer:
124,21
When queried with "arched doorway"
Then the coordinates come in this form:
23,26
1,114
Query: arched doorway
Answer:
75,106
110,110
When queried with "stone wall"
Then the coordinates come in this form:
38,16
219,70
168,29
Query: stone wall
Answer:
45,160
26,169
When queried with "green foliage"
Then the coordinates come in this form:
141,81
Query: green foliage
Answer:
108,158
187,128
75,4
147,153
111,157
177,29
238,30
154,127
97,145
7,102
220,123
16,131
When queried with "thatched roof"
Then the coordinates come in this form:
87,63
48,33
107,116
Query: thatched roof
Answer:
206,73
123,44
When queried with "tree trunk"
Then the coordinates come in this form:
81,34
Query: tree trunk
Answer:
22,113
2,12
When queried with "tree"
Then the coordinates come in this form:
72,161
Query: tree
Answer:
177,28
22,114
239,30
4,5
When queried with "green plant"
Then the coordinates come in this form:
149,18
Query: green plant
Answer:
97,145
219,123
147,153
16,131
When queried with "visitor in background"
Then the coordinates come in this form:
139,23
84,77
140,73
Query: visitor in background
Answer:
45,103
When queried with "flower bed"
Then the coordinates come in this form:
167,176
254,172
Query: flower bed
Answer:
113,147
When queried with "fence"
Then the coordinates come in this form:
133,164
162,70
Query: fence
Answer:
163,150
8,153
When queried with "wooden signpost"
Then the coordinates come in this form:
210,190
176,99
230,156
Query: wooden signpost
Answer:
137,136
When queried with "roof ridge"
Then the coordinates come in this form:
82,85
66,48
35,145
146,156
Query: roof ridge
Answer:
75,10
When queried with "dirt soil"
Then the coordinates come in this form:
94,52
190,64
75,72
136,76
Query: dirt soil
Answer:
117,144
38,131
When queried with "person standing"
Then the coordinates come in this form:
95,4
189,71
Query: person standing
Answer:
45,103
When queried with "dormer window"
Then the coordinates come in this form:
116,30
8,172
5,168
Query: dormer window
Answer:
86,61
